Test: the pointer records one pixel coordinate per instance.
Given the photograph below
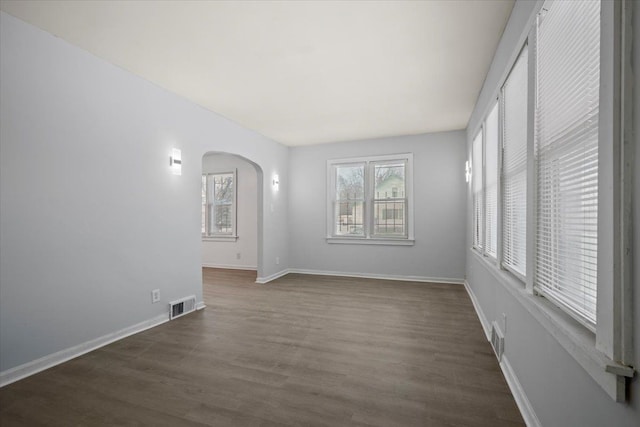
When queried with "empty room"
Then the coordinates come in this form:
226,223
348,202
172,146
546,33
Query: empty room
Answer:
319,213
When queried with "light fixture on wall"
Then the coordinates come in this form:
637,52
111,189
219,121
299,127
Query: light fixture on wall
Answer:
276,182
467,171
175,161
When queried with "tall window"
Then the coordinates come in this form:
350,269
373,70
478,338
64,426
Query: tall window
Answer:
218,204
514,167
491,182
369,198
566,149
478,192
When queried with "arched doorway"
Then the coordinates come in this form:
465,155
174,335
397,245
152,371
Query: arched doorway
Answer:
232,211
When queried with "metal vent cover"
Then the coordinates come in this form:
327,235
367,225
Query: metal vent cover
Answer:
497,340
182,306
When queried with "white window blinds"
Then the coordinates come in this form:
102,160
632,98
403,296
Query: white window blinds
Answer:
478,199
491,181
514,167
568,58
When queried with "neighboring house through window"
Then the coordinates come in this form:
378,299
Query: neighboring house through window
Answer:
369,200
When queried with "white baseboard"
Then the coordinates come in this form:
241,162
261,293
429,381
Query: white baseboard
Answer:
200,305
380,276
230,267
274,276
526,410
30,368
476,305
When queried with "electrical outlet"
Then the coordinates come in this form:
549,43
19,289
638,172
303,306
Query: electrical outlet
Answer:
238,255
277,260
155,296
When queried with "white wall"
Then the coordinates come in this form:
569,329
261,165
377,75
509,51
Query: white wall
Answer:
91,220
560,391
439,193
224,254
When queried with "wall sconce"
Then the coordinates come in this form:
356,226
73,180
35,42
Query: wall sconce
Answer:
467,171
175,161
276,182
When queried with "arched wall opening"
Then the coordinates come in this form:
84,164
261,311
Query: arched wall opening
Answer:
242,247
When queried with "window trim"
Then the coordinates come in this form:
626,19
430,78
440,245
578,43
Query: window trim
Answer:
369,238
207,236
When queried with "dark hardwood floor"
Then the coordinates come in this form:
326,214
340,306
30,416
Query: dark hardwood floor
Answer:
302,350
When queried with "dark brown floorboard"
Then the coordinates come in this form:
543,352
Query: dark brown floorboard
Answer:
299,351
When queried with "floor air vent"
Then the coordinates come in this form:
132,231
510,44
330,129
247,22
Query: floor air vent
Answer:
497,340
181,307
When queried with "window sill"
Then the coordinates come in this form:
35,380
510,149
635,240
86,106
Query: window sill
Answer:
370,241
219,238
576,339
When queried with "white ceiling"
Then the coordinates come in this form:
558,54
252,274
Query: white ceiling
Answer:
299,72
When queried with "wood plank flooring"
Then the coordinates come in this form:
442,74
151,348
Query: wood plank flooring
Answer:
299,351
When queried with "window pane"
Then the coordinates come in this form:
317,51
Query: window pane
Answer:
491,182
220,199
568,82
389,204
389,217
223,188
389,181
350,182
478,200
349,206
514,166
204,204
223,219
349,218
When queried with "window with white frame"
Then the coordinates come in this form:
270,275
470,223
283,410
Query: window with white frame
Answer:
219,204
514,167
369,199
566,156
478,191
485,185
491,182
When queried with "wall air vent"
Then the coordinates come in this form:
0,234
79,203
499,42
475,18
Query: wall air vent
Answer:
497,340
182,306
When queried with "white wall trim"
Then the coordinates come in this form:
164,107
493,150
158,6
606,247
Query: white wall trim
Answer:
219,238
274,276
476,305
230,267
526,410
380,276
30,368
200,305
